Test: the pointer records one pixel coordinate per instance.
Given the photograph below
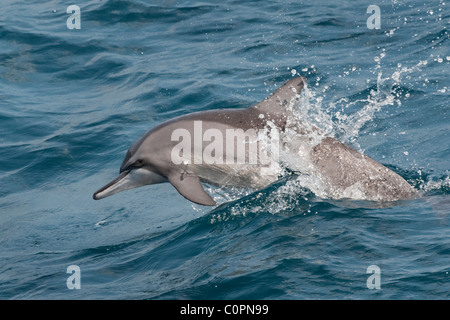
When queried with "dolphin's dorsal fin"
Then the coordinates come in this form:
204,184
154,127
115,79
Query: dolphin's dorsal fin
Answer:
277,102
189,186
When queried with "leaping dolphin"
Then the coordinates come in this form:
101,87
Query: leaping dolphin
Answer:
241,147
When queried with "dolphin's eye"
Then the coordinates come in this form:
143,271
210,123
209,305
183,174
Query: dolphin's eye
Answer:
139,163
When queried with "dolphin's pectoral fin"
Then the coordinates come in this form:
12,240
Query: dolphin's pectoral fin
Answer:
189,186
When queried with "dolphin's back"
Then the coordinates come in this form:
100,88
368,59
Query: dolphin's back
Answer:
348,173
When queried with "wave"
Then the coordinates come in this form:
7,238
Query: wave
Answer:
114,12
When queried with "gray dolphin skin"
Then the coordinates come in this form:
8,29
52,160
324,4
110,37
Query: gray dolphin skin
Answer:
242,147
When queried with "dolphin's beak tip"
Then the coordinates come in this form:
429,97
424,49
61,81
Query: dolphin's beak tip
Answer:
113,187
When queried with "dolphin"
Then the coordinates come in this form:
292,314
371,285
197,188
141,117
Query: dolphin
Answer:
241,147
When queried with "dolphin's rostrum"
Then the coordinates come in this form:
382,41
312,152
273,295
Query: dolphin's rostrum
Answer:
241,147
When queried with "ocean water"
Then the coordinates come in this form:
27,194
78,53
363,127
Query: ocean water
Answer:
73,100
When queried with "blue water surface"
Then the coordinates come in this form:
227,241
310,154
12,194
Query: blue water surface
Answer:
73,100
